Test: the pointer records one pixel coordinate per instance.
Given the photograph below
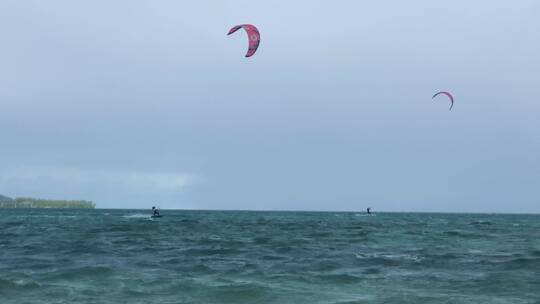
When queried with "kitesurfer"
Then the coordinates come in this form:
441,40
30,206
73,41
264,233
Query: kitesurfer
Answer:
155,211
369,210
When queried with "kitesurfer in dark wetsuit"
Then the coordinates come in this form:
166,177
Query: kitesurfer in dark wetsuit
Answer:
369,210
156,211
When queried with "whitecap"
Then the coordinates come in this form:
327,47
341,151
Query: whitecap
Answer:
475,251
389,256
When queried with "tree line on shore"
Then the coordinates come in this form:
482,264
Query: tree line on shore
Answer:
26,202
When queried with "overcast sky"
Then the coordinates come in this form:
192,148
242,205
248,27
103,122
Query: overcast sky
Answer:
135,103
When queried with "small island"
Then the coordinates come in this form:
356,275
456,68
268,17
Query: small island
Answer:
26,202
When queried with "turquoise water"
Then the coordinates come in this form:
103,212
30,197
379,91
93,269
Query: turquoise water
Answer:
122,256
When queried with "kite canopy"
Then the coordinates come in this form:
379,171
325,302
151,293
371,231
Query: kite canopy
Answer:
253,36
447,94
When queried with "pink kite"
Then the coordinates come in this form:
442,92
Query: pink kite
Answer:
253,35
447,94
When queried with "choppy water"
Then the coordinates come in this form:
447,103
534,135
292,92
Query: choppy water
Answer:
121,256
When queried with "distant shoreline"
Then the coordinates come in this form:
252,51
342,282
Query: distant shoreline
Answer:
36,203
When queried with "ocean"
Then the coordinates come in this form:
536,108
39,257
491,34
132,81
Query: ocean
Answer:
123,256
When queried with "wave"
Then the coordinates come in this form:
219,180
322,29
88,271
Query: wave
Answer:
210,251
10,284
44,216
136,216
86,271
461,233
246,292
390,256
487,223
341,279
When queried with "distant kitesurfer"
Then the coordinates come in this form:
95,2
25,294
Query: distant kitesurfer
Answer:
369,210
155,210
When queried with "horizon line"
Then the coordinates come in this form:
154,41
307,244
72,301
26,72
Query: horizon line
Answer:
326,211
